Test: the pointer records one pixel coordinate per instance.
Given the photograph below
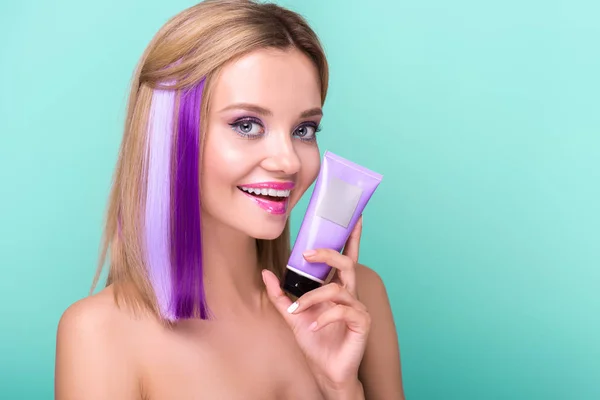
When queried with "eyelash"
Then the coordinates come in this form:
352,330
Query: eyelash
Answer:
240,121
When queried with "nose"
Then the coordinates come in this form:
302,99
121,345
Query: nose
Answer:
281,155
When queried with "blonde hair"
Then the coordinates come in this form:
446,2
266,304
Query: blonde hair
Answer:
182,59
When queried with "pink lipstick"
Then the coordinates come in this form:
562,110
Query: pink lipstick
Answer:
272,197
270,185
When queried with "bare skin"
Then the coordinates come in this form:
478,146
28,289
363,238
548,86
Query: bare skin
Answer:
252,348
245,356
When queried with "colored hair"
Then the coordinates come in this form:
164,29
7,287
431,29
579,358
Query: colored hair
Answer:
152,228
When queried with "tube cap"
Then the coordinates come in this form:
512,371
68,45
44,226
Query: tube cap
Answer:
297,284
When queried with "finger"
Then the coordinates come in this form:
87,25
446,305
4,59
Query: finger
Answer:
345,266
330,292
351,249
356,320
275,294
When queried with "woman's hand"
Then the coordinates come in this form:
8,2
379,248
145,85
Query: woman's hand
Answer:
330,324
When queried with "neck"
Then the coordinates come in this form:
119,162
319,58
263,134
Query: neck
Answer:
232,276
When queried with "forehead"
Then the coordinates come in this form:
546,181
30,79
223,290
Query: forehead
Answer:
281,80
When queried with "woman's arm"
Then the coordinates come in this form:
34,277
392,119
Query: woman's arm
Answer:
380,371
91,361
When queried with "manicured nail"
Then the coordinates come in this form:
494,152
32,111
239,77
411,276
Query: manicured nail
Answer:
264,275
309,253
313,326
293,307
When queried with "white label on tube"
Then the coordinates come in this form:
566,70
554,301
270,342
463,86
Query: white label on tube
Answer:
339,202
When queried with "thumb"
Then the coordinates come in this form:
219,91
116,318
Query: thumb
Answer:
352,246
276,295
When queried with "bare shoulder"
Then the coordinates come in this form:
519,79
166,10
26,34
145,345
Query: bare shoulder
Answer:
380,370
93,359
89,313
369,284
94,320
368,273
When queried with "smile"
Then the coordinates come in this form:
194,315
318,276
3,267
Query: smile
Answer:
272,197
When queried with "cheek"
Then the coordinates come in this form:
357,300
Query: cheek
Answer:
221,165
221,150
310,159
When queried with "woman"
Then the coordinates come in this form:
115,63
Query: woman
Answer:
227,95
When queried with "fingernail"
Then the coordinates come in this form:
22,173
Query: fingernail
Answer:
293,307
309,253
313,326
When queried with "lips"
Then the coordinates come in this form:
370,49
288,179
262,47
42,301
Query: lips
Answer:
288,185
272,197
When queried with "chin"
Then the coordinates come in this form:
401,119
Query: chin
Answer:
266,231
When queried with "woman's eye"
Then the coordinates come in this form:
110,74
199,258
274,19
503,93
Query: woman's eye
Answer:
306,132
248,128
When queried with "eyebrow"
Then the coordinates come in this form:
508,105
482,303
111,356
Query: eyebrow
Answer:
317,111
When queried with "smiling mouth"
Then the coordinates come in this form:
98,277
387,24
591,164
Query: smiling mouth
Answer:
274,195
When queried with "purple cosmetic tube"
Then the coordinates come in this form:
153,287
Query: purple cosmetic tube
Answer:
341,192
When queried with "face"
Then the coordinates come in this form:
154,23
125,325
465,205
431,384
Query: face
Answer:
260,152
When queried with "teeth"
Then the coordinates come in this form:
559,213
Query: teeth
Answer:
267,192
